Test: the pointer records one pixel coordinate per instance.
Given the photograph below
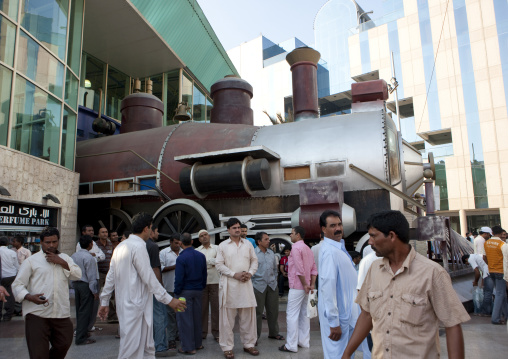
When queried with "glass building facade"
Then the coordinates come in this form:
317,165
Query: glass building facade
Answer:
40,52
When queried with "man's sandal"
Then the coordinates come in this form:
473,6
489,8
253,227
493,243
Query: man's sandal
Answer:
277,337
284,349
229,354
252,351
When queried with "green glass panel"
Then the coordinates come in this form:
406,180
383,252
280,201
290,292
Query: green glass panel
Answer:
76,26
46,20
93,80
479,184
10,7
36,121
71,90
157,86
39,65
7,41
118,88
199,107
187,91
5,99
172,95
441,182
68,138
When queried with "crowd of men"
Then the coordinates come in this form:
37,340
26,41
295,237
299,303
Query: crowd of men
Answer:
390,302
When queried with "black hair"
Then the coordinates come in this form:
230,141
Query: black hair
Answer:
84,241
299,230
140,221
186,239
174,236
354,254
243,225
113,231
326,214
497,230
126,233
154,227
232,221
50,231
390,221
83,229
259,236
19,239
465,257
4,241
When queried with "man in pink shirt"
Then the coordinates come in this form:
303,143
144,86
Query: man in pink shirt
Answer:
302,274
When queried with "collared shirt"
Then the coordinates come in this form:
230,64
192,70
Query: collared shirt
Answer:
99,254
406,307
37,275
108,252
479,241
190,271
301,262
168,258
210,254
494,254
231,259
23,253
266,275
337,285
88,267
252,241
315,250
504,250
10,264
476,261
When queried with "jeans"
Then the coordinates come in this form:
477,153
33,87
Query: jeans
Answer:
159,326
500,305
488,288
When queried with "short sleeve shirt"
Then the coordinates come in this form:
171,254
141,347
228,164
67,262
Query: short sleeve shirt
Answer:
476,261
153,253
406,307
284,262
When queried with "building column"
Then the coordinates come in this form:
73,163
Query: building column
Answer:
503,214
463,222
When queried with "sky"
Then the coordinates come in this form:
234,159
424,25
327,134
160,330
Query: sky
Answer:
238,21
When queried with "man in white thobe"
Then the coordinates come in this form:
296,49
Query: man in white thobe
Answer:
337,290
134,282
236,262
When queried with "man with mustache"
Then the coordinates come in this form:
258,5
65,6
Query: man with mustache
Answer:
42,286
404,298
337,289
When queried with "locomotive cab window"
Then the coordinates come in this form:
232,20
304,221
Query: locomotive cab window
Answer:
296,173
330,169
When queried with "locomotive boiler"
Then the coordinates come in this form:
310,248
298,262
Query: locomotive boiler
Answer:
197,175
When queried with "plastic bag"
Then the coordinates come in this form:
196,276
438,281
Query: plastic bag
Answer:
312,304
477,299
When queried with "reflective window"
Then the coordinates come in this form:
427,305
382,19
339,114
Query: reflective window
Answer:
39,65
36,121
209,106
7,41
157,86
46,20
5,99
71,90
10,7
92,79
75,27
118,88
330,169
187,90
68,138
172,95
199,107
442,184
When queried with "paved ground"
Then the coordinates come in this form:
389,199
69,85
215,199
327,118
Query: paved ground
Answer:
483,340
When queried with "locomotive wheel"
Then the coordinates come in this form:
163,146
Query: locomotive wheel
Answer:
114,220
181,216
279,240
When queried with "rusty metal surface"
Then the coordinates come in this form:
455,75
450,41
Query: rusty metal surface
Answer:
315,198
305,92
141,111
231,102
369,91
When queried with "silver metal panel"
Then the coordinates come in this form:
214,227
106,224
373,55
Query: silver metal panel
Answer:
235,154
354,138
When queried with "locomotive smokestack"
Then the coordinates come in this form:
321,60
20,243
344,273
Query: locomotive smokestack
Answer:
231,101
141,111
303,62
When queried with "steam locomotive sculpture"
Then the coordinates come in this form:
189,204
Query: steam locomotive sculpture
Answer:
197,175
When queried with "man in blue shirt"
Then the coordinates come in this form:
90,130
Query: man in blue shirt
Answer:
244,229
190,280
86,289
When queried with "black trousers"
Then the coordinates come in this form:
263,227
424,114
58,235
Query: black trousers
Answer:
84,310
41,332
9,305
189,322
